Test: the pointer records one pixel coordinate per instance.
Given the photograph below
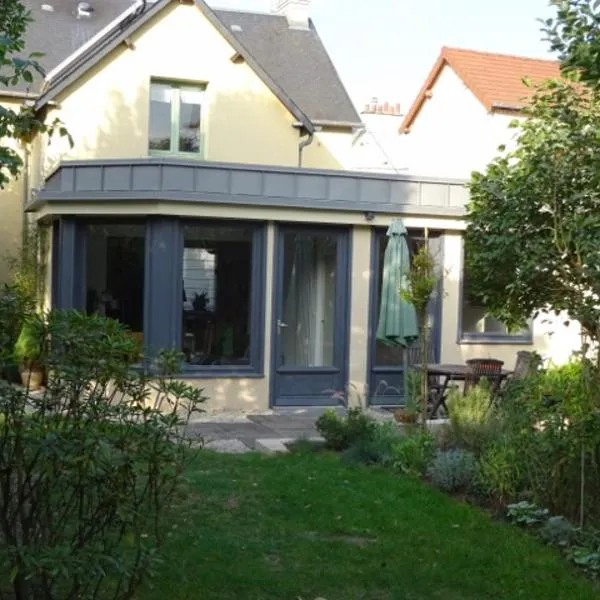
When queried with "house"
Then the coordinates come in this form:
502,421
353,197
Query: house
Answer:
461,114
456,124
208,202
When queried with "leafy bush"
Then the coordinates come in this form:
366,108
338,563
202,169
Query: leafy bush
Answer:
552,421
526,513
473,421
499,470
28,347
454,470
88,469
413,453
558,531
378,447
341,432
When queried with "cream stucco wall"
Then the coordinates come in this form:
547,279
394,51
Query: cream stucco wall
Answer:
107,111
11,203
453,134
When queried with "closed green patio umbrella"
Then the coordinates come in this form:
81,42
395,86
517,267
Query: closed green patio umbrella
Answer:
397,317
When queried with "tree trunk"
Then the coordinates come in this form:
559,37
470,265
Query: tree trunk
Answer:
424,375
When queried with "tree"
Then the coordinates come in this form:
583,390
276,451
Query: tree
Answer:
422,280
575,35
534,216
15,69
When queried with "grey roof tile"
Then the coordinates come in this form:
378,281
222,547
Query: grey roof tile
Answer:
60,32
297,60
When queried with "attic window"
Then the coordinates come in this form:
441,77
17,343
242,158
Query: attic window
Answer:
47,7
175,118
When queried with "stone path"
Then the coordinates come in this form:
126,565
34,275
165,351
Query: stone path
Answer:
270,432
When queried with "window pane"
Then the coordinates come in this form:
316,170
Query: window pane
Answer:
190,109
476,320
310,267
115,272
217,277
161,96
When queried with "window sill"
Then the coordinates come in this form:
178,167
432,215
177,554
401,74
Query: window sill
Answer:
508,340
183,155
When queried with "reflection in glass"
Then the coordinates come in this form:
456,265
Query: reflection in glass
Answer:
115,272
310,262
190,104
217,274
160,116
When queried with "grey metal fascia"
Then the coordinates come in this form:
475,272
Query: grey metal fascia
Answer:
180,162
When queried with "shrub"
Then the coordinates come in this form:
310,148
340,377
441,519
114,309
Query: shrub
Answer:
454,470
526,513
341,432
378,447
552,420
499,470
89,467
558,531
473,421
413,453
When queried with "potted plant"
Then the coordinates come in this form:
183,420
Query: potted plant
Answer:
28,352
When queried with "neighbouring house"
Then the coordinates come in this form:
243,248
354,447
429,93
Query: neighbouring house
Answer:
456,124
209,203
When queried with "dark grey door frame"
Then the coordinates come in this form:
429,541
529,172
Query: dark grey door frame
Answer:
395,374
338,374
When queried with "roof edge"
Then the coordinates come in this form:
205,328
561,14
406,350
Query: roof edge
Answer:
80,63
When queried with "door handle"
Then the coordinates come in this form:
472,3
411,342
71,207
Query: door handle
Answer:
281,324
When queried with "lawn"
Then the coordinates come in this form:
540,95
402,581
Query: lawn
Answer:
307,526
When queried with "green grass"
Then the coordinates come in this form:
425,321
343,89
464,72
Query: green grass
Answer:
306,526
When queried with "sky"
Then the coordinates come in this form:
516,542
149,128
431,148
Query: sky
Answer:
385,48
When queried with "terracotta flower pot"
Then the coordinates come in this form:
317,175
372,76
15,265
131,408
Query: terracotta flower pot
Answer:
32,376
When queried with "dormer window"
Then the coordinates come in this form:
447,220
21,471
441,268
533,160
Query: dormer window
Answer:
175,118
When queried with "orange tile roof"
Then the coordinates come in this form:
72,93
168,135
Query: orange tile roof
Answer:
495,79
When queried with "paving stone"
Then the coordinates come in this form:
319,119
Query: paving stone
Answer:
231,446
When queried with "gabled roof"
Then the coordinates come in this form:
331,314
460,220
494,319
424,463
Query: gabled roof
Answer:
293,63
496,80
297,60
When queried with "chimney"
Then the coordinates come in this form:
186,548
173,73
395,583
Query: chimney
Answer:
296,12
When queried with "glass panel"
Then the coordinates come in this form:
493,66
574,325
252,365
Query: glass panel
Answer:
217,278
190,108
161,96
476,321
309,285
115,272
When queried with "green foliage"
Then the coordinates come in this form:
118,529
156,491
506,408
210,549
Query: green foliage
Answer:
552,421
342,432
534,211
29,344
558,531
574,34
88,468
588,558
422,279
413,453
454,470
378,447
526,513
499,470
473,422
16,69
